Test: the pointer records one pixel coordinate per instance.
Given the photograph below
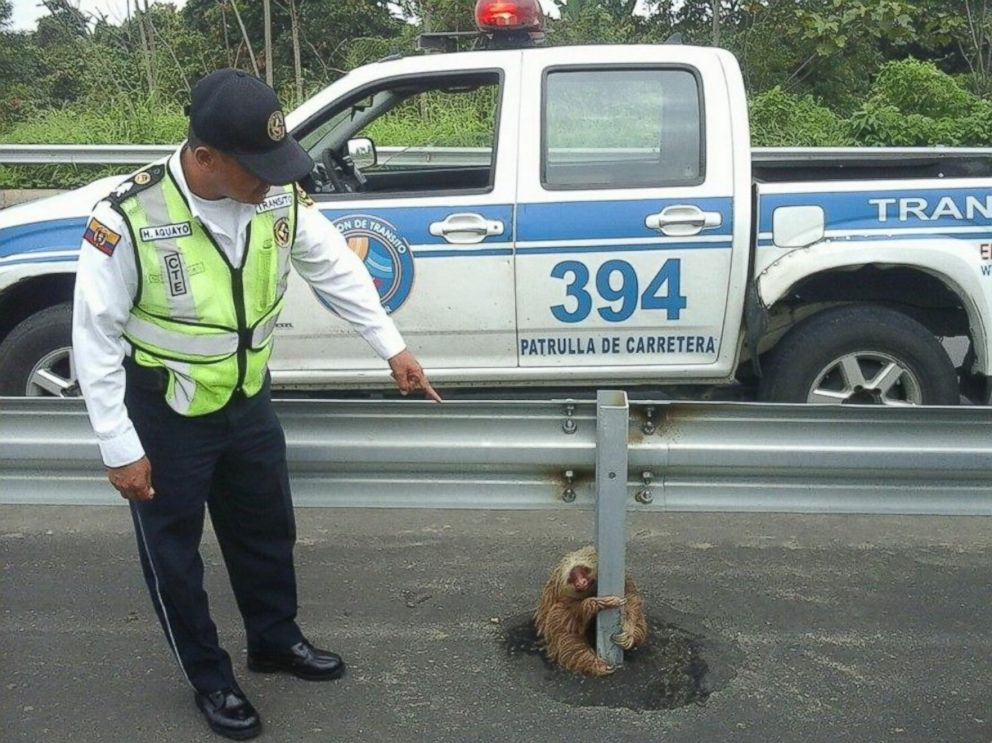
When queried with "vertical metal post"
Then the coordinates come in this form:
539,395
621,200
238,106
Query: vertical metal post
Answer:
611,512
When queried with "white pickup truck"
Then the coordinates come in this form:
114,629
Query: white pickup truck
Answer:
609,226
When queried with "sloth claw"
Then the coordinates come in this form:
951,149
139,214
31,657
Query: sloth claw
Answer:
611,602
602,668
623,639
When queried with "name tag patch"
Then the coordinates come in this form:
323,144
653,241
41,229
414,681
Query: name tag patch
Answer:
275,202
166,231
101,237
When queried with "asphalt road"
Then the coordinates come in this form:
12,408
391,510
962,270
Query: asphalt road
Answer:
801,628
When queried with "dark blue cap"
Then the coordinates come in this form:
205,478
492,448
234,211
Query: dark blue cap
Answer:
238,114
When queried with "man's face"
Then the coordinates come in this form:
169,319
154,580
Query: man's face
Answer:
226,177
237,182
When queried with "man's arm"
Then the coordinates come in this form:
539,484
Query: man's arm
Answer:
106,281
322,257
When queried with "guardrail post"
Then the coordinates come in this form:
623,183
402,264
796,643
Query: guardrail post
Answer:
611,510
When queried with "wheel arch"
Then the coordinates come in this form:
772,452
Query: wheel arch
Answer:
933,285
31,295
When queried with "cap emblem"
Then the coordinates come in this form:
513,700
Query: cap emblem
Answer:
142,178
277,126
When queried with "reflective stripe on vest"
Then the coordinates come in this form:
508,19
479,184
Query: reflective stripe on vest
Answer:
180,344
207,323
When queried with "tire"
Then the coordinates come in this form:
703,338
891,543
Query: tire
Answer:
860,354
36,358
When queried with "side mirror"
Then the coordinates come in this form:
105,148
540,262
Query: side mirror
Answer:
362,152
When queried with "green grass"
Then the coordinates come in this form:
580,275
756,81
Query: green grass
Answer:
439,119
114,121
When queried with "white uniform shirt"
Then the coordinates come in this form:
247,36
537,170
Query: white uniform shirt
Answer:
106,286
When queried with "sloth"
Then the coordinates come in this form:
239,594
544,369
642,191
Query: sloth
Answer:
569,604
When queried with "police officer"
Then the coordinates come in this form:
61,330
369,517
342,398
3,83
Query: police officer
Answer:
179,285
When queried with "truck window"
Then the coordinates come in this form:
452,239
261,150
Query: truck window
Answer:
430,133
621,128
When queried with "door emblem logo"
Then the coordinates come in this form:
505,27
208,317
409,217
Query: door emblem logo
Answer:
385,253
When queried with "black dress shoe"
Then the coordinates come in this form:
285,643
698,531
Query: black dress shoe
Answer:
229,713
302,660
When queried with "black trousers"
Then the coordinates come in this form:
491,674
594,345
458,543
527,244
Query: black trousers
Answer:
232,461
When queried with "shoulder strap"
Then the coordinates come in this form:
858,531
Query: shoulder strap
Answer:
144,178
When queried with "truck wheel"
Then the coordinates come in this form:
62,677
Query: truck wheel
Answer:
36,358
861,355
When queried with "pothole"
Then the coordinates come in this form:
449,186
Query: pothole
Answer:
682,663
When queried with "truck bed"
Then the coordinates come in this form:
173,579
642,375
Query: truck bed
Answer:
781,164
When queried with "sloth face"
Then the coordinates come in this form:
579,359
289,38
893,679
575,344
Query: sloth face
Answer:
582,580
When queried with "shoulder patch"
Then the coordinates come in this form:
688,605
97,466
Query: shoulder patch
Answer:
281,231
100,236
303,196
138,182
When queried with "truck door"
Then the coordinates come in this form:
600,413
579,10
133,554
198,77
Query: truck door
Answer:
432,218
625,212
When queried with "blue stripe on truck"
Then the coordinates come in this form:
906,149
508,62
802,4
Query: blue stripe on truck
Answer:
871,209
608,220
412,223
40,237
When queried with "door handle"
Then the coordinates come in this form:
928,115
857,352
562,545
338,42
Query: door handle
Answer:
682,220
466,228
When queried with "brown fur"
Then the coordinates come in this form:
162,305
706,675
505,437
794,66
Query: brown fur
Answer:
564,616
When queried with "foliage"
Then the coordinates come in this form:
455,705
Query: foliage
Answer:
781,119
439,119
912,103
328,31
116,120
916,87
16,69
818,72
440,15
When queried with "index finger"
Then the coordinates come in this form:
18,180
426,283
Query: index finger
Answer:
429,391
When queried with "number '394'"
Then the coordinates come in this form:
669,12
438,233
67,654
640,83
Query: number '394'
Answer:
616,281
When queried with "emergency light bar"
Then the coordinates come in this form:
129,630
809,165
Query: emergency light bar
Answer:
503,24
495,16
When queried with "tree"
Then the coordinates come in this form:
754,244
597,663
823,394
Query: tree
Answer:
912,103
294,27
830,48
975,41
13,64
434,16
327,32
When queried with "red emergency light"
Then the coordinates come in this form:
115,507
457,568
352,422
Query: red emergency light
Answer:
508,15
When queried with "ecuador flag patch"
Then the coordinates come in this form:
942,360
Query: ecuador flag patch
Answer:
101,237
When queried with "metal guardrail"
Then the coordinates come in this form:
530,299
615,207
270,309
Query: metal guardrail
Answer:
858,155
137,154
131,154
612,456
82,154
683,456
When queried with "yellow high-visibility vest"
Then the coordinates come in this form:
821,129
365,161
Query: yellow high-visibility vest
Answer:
206,322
